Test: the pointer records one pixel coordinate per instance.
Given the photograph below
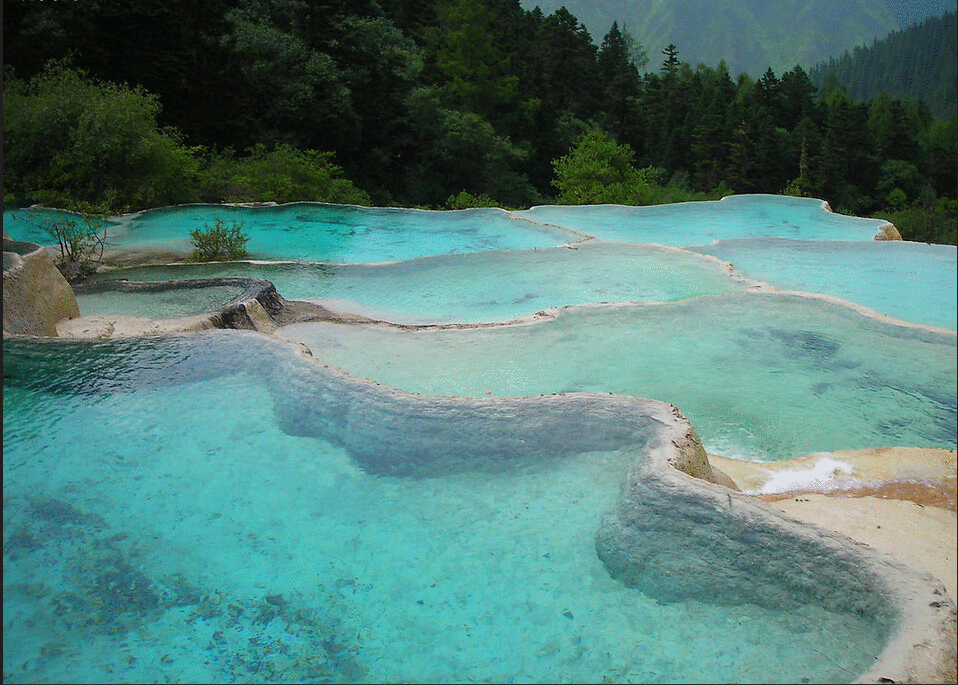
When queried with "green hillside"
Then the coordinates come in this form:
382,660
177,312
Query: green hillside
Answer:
750,35
917,63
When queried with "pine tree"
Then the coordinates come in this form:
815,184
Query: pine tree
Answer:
622,87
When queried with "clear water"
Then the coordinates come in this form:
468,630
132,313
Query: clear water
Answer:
819,251
320,232
159,524
760,376
701,223
482,286
163,304
910,281
347,234
165,518
28,224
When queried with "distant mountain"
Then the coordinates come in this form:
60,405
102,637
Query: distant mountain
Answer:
750,35
918,63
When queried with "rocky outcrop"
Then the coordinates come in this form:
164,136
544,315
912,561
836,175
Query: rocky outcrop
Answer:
678,538
35,294
256,307
888,231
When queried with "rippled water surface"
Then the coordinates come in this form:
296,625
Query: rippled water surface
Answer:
164,304
764,377
485,286
159,523
910,281
317,232
168,514
701,223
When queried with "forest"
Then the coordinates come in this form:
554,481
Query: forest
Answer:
916,63
752,35
113,106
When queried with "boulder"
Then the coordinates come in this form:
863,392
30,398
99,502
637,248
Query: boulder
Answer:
35,294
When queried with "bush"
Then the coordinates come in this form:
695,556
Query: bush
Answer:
283,174
933,222
218,243
600,171
81,242
466,200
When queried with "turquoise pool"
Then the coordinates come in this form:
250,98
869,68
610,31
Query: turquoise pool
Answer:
701,223
763,377
910,281
210,507
492,285
317,232
168,511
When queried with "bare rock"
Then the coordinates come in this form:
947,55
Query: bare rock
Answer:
35,294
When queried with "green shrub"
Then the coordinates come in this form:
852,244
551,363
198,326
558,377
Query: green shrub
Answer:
466,200
81,242
598,170
282,174
218,243
933,222
69,139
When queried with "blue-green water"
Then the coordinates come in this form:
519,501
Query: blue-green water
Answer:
760,376
792,243
346,234
701,223
159,525
317,232
164,304
29,224
910,281
168,515
492,285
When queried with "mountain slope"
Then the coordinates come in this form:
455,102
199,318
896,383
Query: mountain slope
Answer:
750,35
917,63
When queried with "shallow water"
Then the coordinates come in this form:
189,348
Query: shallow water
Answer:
791,243
485,286
910,281
162,525
164,304
346,234
317,232
31,225
760,376
701,223
172,512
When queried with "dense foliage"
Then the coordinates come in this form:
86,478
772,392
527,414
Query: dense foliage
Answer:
752,35
69,139
434,103
917,63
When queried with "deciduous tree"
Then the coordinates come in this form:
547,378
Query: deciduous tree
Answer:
599,171
68,139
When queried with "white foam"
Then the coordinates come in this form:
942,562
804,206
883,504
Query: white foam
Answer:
821,476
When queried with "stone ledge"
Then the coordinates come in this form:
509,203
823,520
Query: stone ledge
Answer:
259,307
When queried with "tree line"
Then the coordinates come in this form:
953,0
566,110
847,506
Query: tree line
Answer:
431,103
916,63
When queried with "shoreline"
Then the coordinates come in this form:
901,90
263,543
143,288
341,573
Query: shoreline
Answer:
898,500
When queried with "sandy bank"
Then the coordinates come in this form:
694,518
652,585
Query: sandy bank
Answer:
900,501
